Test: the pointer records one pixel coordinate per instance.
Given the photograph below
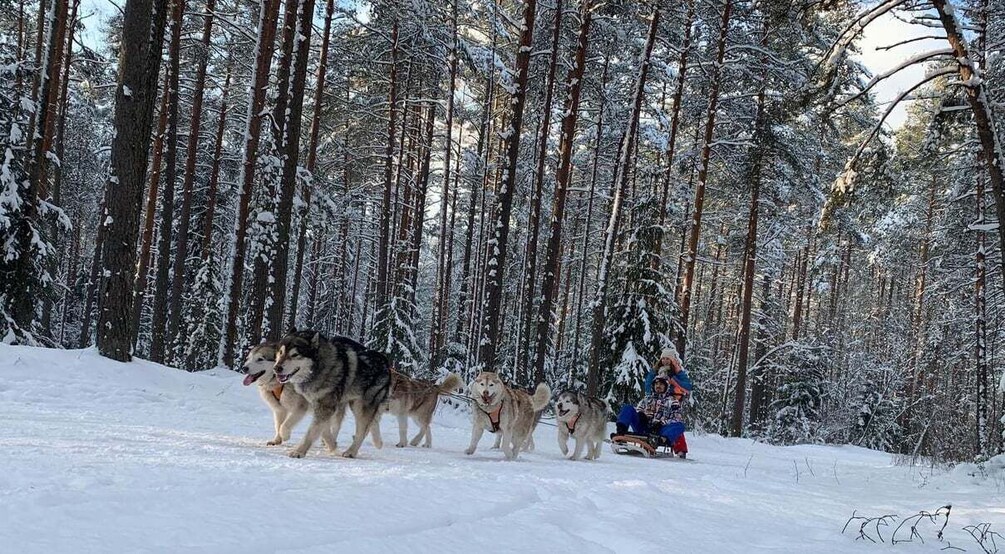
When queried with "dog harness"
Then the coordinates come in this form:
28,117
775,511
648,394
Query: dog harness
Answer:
278,392
572,428
493,417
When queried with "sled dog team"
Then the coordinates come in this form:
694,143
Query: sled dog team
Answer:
307,372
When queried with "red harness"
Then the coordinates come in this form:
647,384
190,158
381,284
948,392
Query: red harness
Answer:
493,417
572,428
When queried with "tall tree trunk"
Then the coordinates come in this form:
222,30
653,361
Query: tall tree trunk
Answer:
498,244
139,64
749,268
619,186
977,97
563,177
691,257
678,95
584,263
291,157
263,62
214,174
188,180
158,325
312,158
441,292
538,191
41,128
386,215
149,218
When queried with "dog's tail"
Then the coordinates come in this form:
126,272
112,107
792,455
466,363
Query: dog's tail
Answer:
542,395
450,384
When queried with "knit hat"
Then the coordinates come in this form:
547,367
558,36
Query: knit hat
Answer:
668,353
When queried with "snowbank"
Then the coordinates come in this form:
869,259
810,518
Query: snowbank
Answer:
100,456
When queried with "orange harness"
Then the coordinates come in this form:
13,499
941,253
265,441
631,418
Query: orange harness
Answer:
493,417
277,392
572,428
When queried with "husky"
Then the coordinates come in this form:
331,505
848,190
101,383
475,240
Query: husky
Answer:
332,373
416,399
528,445
584,419
500,408
287,405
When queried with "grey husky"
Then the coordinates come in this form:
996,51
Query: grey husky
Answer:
584,419
332,373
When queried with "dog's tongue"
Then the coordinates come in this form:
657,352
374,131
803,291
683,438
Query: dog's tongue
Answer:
249,379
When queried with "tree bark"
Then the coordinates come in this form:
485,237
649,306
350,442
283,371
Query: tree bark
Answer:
383,246
563,177
139,65
441,292
312,157
214,175
699,195
188,180
976,92
158,325
263,62
599,305
146,242
498,246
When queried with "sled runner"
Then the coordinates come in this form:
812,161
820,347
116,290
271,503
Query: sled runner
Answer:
639,445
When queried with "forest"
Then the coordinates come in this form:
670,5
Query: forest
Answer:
555,190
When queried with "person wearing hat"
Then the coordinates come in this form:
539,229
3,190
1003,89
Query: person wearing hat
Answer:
669,366
657,415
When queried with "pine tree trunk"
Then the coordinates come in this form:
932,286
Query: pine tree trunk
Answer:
464,304
312,157
563,177
93,281
498,246
584,264
534,223
188,180
977,98
441,292
252,136
139,65
214,175
691,257
146,242
599,305
675,118
158,325
42,128
749,267
386,215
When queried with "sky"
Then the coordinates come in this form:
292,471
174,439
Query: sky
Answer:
885,31
882,32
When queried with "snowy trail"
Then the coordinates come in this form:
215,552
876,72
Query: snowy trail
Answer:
99,456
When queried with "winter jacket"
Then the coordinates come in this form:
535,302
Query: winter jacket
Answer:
680,384
663,408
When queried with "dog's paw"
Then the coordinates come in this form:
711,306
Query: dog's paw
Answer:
469,451
275,441
348,454
401,445
297,453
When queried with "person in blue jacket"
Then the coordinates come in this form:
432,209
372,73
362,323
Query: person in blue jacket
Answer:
660,411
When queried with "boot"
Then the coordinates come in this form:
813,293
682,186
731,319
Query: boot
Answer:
620,429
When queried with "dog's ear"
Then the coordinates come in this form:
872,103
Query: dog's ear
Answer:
316,340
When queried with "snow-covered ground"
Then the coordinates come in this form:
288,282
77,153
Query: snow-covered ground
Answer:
98,456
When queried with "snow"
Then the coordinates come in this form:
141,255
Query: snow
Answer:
112,457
